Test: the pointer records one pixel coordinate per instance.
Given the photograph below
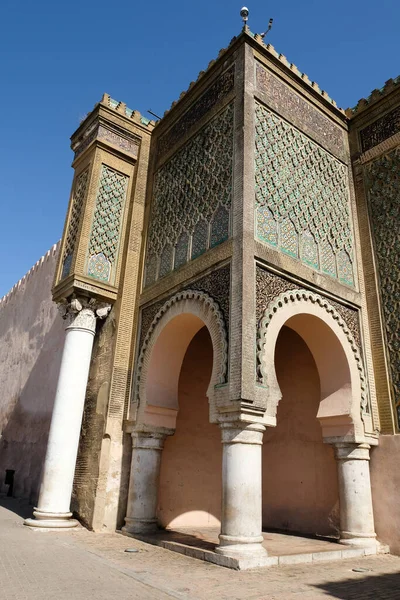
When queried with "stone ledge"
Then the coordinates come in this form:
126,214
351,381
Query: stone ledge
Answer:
245,563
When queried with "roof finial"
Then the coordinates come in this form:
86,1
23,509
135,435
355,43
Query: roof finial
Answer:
244,13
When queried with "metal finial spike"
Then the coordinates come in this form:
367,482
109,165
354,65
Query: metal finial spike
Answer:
268,28
244,13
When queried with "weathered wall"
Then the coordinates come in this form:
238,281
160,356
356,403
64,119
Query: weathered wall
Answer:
31,342
300,490
190,480
385,481
94,422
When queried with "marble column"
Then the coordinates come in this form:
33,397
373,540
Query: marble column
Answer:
141,514
53,510
241,523
355,498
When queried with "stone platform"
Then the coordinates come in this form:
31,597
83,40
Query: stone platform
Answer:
282,548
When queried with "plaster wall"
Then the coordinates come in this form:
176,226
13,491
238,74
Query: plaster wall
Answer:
385,483
190,478
300,490
31,343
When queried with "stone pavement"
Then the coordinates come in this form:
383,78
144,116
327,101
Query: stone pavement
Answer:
80,565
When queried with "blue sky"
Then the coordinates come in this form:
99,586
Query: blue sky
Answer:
57,59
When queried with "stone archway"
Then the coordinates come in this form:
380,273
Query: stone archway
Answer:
344,390
343,402
164,347
159,365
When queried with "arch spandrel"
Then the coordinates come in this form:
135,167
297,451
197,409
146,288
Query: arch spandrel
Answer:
162,353
344,406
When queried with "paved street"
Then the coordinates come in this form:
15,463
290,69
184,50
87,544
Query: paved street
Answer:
81,565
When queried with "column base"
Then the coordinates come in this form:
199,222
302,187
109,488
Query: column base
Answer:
50,520
140,526
347,538
247,552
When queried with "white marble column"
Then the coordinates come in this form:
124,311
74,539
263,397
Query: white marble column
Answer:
355,498
241,523
53,510
141,513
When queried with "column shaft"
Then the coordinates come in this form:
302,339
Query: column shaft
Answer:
356,515
241,527
53,510
141,514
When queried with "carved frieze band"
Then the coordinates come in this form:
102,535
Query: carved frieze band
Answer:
212,306
301,113
380,130
270,285
122,141
216,92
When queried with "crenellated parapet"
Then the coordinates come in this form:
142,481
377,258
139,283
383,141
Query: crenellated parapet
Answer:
375,95
270,50
50,253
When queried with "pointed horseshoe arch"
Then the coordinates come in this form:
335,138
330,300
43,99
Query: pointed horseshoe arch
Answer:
163,350
344,390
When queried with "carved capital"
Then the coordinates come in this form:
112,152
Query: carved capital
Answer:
82,313
348,451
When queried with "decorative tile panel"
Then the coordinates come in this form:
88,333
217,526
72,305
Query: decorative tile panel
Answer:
181,250
383,186
219,226
200,238
267,228
151,269
76,211
166,260
328,259
309,250
107,219
302,195
193,191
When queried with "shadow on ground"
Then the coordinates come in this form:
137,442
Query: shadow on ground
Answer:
367,587
18,506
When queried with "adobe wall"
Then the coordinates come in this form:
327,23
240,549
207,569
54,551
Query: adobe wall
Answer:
385,482
31,342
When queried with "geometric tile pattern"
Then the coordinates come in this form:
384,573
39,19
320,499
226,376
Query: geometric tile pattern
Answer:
192,190
104,237
383,185
77,204
219,226
302,201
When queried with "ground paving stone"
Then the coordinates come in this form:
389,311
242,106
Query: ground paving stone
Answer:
81,565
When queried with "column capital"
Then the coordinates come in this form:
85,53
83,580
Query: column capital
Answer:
242,433
351,451
153,440
82,313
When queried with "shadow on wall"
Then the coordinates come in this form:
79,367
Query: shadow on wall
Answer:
190,479
24,436
386,585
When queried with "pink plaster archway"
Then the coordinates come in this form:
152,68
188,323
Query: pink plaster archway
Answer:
344,396
163,351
